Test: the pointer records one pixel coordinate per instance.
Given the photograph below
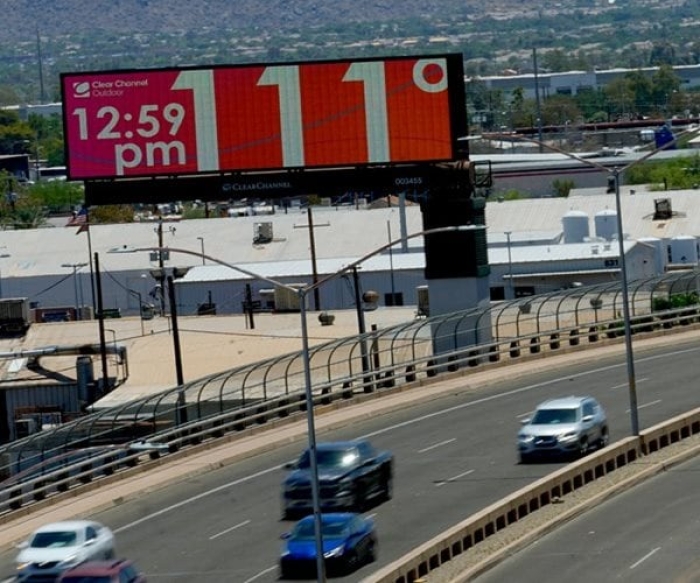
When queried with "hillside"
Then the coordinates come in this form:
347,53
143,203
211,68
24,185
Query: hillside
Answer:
119,34
22,18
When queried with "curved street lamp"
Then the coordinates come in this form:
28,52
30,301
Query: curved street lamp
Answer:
615,174
302,293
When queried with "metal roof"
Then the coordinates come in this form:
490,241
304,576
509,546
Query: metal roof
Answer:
339,233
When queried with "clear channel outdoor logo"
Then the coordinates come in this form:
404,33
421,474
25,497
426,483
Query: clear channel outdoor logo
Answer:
81,89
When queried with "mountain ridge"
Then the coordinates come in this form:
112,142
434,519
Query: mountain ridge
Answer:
23,18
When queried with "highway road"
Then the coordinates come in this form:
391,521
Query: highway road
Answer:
455,454
659,541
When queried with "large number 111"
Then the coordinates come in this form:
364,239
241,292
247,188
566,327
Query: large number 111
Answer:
286,79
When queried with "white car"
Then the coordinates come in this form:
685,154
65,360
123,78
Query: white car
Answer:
55,548
567,426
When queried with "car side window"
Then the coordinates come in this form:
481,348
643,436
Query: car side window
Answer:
90,533
588,409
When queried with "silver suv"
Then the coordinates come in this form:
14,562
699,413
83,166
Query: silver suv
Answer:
567,426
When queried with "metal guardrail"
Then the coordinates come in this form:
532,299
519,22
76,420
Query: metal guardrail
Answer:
479,527
416,352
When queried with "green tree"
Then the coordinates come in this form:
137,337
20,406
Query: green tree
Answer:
19,208
562,188
15,135
642,89
592,104
57,196
620,98
121,213
556,61
560,110
664,83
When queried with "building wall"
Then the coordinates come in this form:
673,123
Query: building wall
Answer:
569,83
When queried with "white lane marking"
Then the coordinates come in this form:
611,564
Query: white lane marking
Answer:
525,389
436,445
644,558
649,404
223,532
625,385
522,415
262,573
199,496
453,478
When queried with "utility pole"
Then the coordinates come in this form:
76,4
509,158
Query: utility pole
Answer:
537,99
40,60
161,268
312,241
101,326
161,264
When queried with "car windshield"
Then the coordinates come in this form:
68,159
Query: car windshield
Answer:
306,530
331,458
554,416
57,539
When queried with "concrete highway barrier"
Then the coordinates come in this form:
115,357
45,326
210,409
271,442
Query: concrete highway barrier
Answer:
466,535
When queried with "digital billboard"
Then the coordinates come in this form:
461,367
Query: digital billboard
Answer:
221,119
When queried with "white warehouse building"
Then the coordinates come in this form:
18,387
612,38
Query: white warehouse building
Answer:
538,244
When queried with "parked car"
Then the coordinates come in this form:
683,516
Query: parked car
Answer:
566,426
56,547
349,541
351,475
118,571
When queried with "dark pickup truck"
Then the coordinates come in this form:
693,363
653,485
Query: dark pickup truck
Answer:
351,475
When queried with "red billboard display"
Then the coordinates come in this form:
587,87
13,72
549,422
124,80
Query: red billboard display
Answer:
170,122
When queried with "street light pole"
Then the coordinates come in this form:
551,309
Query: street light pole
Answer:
510,267
391,265
313,459
201,242
631,377
302,294
615,174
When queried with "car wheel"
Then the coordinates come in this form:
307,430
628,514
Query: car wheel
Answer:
582,447
351,561
604,438
525,458
372,552
285,574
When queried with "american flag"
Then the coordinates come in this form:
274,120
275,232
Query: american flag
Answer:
79,219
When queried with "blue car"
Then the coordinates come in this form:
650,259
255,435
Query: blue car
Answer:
349,541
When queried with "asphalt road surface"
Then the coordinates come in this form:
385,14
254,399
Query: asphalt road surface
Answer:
659,541
454,455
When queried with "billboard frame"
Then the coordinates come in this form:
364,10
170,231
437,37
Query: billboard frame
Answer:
456,105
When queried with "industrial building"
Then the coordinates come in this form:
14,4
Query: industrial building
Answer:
535,246
538,244
571,82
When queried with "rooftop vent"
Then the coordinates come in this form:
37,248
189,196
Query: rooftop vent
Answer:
662,209
262,233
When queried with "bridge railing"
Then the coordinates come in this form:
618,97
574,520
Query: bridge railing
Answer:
381,360
476,529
